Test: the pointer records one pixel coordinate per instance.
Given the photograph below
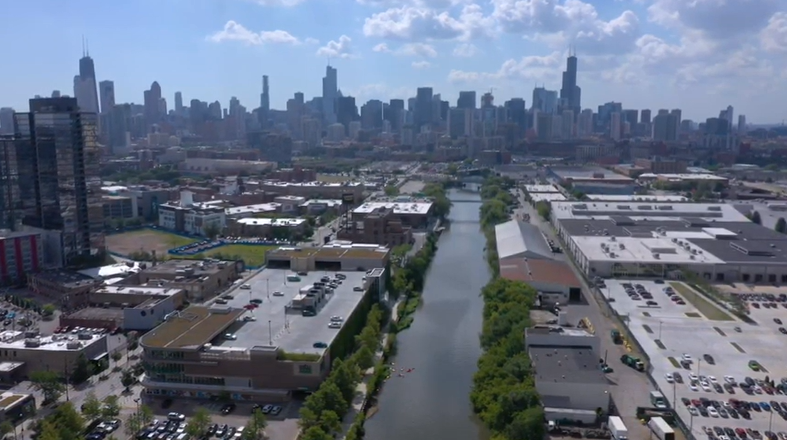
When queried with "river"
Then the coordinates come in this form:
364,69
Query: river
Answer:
432,402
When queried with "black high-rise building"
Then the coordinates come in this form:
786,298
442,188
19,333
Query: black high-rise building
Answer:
57,164
466,100
423,107
570,93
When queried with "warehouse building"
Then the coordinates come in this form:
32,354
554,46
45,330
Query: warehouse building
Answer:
524,255
331,257
568,376
660,240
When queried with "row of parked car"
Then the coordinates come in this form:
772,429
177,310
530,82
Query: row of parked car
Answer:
727,433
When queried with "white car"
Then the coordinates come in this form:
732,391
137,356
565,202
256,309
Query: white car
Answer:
712,379
693,386
687,357
693,411
278,293
668,377
245,286
336,319
712,412
335,325
729,379
693,377
705,386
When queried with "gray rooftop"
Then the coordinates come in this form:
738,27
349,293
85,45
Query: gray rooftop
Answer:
519,239
302,332
566,364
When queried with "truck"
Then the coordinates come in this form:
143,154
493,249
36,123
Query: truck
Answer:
617,428
616,337
657,399
633,362
662,430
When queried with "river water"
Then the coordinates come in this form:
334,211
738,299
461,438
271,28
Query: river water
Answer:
432,402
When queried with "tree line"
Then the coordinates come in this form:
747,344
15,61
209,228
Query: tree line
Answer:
322,413
504,394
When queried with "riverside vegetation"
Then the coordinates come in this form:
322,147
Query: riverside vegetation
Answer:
504,394
408,279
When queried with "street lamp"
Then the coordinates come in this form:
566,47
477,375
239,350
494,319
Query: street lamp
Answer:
660,322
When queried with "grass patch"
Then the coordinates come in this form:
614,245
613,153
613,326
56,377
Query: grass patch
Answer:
720,331
693,315
660,344
738,347
647,328
674,362
702,305
252,254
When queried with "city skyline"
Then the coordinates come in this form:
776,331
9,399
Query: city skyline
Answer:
214,50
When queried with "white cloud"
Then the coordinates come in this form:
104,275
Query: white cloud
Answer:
465,50
337,49
560,23
535,68
719,19
382,48
410,23
234,31
420,65
417,50
437,4
311,41
774,37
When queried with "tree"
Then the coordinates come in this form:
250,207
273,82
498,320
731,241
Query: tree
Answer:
255,428
199,423
781,225
315,433
543,210
127,378
346,377
82,370
48,431
111,407
365,357
6,428
308,418
330,422
391,191
212,231
68,421
48,383
91,407
755,217
48,310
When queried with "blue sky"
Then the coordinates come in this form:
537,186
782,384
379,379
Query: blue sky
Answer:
699,56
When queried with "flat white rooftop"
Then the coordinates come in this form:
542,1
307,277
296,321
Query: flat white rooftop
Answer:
634,198
240,211
398,207
547,197
327,202
601,210
316,184
661,250
541,189
275,222
685,176
138,290
11,339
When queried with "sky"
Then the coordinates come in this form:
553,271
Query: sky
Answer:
697,55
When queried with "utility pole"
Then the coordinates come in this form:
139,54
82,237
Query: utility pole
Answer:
270,334
65,368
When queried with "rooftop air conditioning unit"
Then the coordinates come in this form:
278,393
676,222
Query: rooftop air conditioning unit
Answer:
622,246
691,257
656,256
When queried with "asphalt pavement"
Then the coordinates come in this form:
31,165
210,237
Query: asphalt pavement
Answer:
629,387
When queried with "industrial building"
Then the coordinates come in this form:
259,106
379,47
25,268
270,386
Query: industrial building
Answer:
592,180
714,241
200,280
22,352
414,213
567,372
331,257
260,353
524,255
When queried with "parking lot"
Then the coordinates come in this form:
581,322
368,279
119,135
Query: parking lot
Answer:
283,426
713,345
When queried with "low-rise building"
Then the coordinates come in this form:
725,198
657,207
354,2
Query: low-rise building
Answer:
567,373
200,280
314,190
320,206
333,257
414,213
266,227
66,288
189,217
15,407
25,352
256,354
380,226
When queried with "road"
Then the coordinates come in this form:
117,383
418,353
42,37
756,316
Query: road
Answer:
629,388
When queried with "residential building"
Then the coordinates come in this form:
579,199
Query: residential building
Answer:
189,217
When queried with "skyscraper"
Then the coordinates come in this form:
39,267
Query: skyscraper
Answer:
58,169
330,87
179,103
152,105
88,101
466,100
570,93
106,91
423,107
265,103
